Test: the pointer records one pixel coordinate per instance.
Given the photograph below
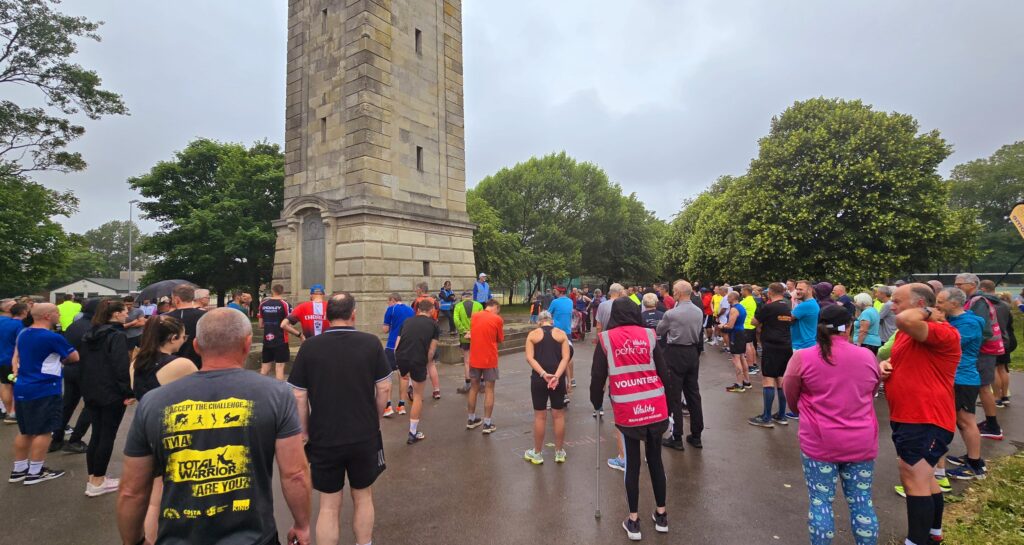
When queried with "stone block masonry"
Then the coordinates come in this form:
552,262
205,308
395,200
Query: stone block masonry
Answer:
374,151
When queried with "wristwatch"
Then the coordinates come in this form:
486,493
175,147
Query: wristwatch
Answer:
927,313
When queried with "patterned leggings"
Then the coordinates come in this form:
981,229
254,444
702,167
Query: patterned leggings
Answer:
821,480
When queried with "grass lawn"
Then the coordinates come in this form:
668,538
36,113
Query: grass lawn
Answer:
989,512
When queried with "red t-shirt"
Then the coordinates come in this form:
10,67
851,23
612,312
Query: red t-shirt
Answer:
486,330
668,301
313,317
706,300
920,389
433,313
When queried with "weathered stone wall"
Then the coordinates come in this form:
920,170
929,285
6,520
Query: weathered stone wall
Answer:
375,144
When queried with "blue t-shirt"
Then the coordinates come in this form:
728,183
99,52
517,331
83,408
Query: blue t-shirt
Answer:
237,307
9,328
970,326
871,316
561,314
394,317
737,334
39,369
805,324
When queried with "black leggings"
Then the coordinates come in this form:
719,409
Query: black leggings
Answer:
633,461
105,421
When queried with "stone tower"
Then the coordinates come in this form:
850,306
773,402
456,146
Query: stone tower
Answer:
375,161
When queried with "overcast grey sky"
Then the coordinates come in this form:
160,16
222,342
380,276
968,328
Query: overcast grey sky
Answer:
664,95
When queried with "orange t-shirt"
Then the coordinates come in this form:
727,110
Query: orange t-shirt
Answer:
433,313
486,330
920,390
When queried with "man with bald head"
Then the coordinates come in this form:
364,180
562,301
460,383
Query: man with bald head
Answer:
38,355
919,388
11,316
212,437
681,328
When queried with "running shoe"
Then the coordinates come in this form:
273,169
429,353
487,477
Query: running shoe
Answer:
598,413
75,447
1000,404
792,416
753,370
46,474
967,472
617,463
489,428
632,528
660,521
735,389
760,422
673,442
572,383
957,460
437,394
560,456
780,419
108,486
694,441
415,438
944,484
989,433
473,422
401,409
11,418
534,457
1006,401
388,411
18,476
747,386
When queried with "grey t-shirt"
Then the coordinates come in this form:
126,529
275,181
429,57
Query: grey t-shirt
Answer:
134,314
212,435
682,324
886,321
604,313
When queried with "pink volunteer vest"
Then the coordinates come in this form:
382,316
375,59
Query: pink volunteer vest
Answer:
636,391
995,344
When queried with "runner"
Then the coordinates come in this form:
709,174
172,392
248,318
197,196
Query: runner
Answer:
183,300
1002,383
273,311
651,316
709,316
724,306
464,311
886,317
919,388
341,381
414,351
867,325
749,329
547,353
133,324
832,386
737,343
37,372
805,316
839,293
966,382
423,293
487,330
395,315
237,302
985,305
775,319
637,373
236,423
10,325
561,312
680,330
68,310
72,393
311,315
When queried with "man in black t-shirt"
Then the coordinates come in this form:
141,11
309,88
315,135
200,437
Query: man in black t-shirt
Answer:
273,311
415,347
183,299
774,318
342,382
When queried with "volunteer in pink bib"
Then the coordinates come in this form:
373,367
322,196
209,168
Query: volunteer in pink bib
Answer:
635,372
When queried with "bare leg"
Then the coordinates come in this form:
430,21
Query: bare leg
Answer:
539,422
474,389
1002,379
558,417
40,444
739,368
327,521
21,446
417,400
363,513
403,387
969,431
488,398
432,372
7,395
279,371
988,400
264,369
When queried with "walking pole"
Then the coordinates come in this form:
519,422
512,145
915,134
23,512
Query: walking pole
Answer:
597,500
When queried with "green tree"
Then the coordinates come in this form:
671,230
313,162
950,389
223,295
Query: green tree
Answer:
36,43
32,245
110,241
676,237
215,202
496,252
838,191
991,187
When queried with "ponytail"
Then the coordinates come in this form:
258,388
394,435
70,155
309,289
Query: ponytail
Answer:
158,330
825,343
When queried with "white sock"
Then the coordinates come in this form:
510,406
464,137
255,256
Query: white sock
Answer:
472,416
935,532
940,472
413,424
21,465
34,467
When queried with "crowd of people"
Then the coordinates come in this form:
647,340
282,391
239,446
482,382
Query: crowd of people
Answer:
207,430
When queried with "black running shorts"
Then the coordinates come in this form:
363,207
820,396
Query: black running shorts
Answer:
414,370
389,353
362,462
916,442
276,354
966,397
774,361
40,416
542,395
738,343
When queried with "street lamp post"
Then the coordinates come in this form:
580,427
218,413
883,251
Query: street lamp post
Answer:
131,204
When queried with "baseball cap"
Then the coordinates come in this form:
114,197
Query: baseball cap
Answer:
316,288
467,293
481,275
836,317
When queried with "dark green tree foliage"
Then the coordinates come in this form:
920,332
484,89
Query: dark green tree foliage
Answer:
991,187
838,191
215,202
36,43
32,245
566,219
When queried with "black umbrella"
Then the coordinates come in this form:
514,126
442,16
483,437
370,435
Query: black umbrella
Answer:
163,288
